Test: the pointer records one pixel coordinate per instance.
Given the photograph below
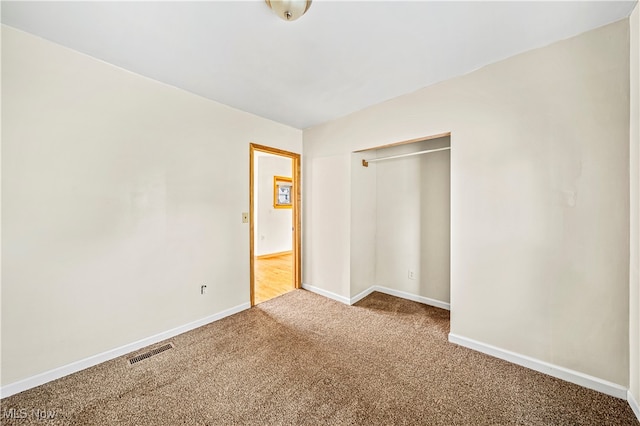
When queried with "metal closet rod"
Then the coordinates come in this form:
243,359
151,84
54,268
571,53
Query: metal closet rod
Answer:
365,163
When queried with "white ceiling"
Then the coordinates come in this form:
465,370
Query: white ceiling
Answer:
340,57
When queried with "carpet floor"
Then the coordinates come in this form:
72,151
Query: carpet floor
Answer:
301,359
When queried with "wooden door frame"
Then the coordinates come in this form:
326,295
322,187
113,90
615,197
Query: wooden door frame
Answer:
296,239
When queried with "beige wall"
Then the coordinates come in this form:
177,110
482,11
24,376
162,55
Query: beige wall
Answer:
326,216
634,307
539,198
364,225
121,196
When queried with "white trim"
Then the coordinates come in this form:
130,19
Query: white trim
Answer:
562,373
634,404
409,296
326,293
358,297
381,289
56,373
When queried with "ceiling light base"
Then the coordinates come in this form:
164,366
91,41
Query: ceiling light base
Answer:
289,10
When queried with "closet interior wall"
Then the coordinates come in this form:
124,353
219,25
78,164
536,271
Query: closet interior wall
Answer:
400,222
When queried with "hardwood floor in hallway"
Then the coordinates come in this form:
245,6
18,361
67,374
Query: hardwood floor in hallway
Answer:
273,277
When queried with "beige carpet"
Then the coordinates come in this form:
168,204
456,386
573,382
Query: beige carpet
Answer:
301,359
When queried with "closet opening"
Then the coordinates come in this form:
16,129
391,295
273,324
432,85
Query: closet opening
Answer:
401,219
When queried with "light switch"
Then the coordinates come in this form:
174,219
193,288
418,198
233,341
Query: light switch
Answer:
245,217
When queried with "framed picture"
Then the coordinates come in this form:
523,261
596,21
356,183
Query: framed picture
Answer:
282,192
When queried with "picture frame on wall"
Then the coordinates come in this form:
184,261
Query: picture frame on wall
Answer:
282,192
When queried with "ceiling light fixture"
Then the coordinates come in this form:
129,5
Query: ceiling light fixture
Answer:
289,10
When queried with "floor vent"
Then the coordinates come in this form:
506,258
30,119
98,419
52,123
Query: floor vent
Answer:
151,353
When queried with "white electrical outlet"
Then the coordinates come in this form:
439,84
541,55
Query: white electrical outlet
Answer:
412,274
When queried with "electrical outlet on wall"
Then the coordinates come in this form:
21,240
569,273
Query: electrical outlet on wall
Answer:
412,274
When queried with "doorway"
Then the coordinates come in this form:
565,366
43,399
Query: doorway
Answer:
274,217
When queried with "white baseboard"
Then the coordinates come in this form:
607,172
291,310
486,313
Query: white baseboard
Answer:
326,293
82,364
358,297
634,404
562,373
381,289
409,296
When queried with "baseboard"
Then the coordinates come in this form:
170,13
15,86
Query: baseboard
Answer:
269,255
358,297
634,404
326,293
82,364
562,373
381,289
413,297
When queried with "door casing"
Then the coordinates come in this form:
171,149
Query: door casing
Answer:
296,239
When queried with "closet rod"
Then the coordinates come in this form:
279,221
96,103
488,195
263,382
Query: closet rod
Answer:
365,163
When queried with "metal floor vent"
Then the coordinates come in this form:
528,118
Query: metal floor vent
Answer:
151,353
